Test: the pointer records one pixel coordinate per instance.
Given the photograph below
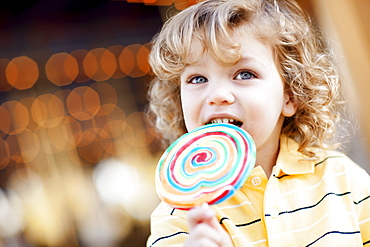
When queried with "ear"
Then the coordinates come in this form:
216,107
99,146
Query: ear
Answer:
290,107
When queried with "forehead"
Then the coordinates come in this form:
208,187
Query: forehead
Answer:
253,45
242,44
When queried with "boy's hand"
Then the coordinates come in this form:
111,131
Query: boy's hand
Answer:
205,231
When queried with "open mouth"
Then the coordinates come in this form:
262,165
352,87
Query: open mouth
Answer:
226,120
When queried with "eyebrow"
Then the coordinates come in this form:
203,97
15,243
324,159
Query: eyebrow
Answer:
252,60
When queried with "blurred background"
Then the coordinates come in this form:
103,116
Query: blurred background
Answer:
77,156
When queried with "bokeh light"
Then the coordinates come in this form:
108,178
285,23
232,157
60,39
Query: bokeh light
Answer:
140,135
77,125
28,102
116,51
61,69
127,60
80,55
111,175
4,153
29,146
108,64
65,110
83,103
179,4
11,215
6,121
107,96
22,72
14,152
142,59
98,149
61,138
4,85
99,64
15,117
48,110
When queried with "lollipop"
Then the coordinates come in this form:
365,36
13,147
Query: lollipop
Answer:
206,165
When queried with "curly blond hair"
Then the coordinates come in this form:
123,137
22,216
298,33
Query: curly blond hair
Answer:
306,68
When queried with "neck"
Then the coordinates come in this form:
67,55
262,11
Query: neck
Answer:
267,160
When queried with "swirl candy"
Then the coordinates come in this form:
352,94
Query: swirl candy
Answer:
206,165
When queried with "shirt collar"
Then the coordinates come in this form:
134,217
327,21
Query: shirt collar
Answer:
290,161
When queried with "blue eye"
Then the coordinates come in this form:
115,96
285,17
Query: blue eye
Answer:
244,75
197,80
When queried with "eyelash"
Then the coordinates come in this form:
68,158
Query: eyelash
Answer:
196,77
252,75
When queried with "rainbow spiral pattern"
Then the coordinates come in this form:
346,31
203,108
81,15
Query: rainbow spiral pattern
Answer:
206,165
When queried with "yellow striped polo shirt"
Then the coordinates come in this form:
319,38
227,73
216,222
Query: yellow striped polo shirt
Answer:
325,202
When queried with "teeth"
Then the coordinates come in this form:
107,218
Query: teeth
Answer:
222,120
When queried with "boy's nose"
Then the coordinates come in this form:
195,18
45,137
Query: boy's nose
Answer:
220,94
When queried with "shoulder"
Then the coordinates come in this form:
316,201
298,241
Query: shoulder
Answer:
332,160
327,165
334,163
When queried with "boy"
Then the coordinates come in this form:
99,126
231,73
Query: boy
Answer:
257,64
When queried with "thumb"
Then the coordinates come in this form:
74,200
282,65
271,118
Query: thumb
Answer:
211,218
205,215
225,239
201,214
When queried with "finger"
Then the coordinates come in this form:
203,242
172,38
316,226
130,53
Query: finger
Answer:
210,216
203,234
200,215
204,224
204,242
222,238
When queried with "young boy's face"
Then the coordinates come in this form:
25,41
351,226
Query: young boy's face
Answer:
249,94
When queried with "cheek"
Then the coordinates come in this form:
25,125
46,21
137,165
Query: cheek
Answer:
192,105
186,108
184,103
265,110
